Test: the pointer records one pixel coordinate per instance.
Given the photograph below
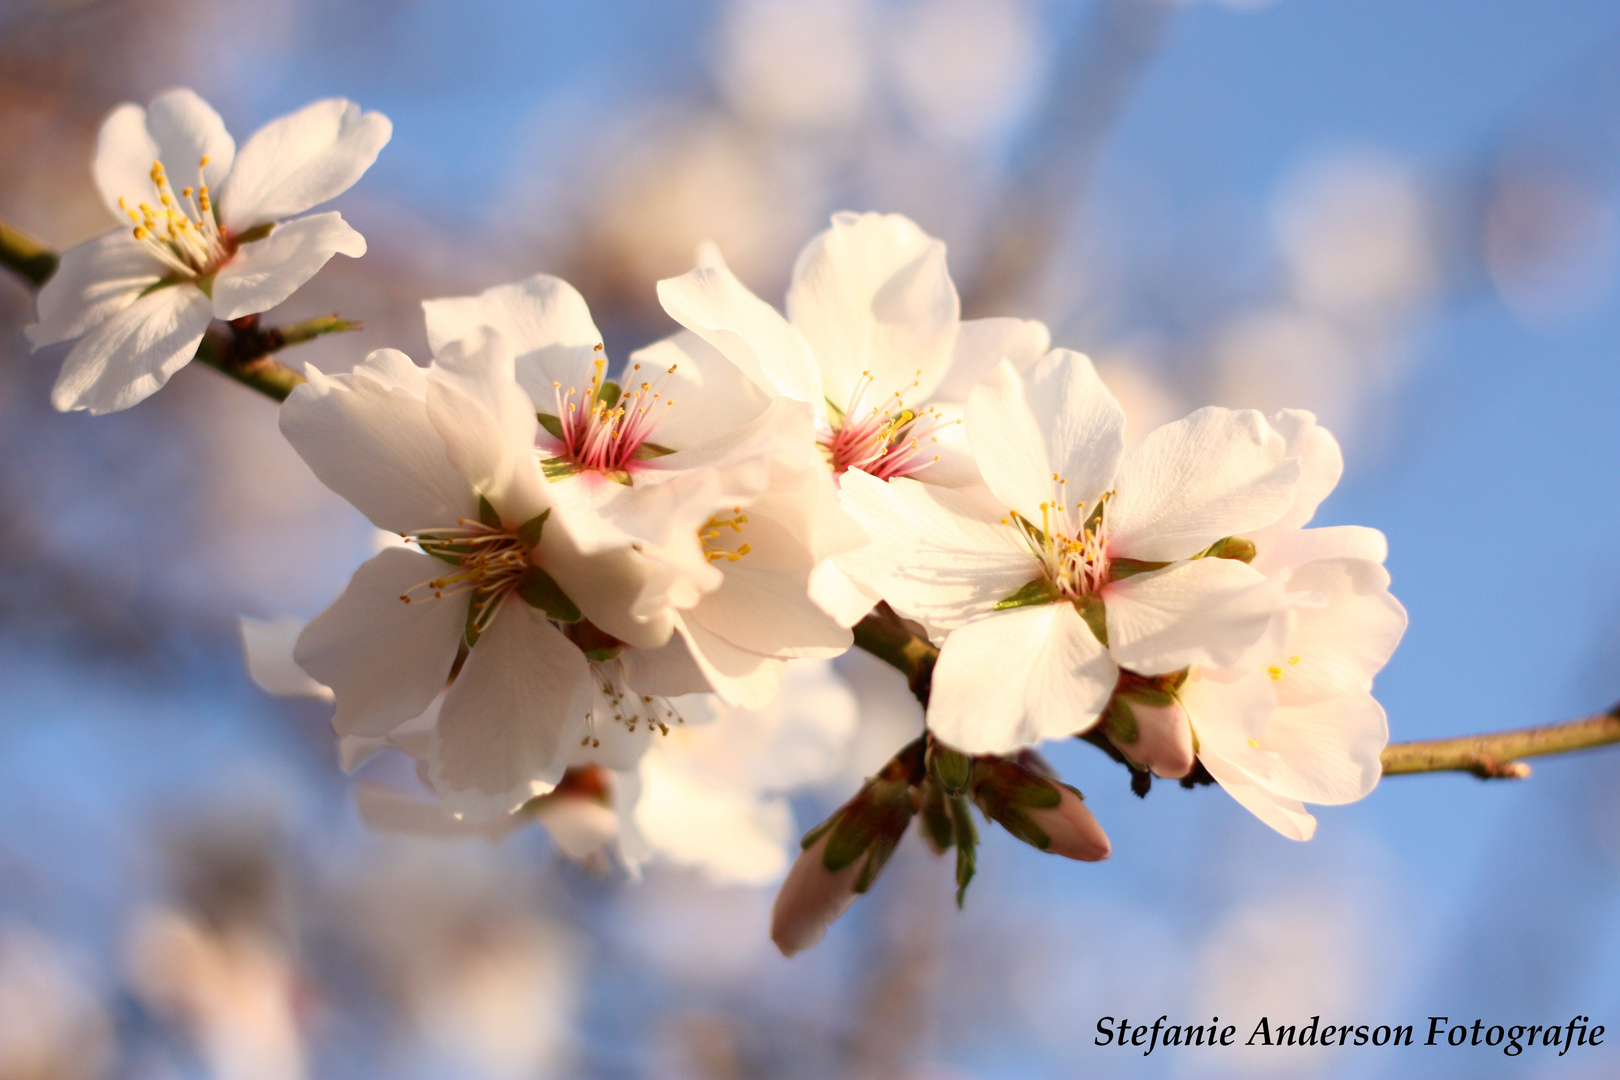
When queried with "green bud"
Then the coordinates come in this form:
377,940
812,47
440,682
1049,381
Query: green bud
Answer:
951,768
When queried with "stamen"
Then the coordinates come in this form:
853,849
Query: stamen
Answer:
886,441
606,436
191,242
714,529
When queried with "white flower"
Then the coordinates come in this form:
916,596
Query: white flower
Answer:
872,343
710,792
688,463
444,457
1078,561
202,235
1294,721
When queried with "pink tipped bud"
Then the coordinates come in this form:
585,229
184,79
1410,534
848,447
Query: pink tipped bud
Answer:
1072,829
812,898
1160,738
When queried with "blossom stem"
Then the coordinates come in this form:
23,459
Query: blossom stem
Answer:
26,257
1495,756
241,349
887,636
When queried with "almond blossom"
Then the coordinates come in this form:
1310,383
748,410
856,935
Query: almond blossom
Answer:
203,234
1293,720
690,465
444,458
872,337
1077,561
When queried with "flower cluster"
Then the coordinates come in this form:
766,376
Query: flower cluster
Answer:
598,574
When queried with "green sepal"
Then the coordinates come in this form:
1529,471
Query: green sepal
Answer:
1120,569
258,232
934,819
1091,609
469,632
558,468
620,476
1229,547
450,553
487,515
551,425
952,769
648,450
529,532
603,655
608,393
967,844
1149,695
835,415
161,283
1039,591
540,590
206,284
1119,721
1094,519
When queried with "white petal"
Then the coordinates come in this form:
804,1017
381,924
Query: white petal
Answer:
1288,816
386,660
1338,646
390,809
733,837
1012,678
714,305
300,161
668,671
369,438
94,281
1061,421
836,593
874,300
1227,712
605,584
1207,611
1213,474
1326,752
940,555
488,425
179,129
268,647
1288,548
544,320
763,604
710,394
982,344
129,357
516,710
740,677
264,273
1320,460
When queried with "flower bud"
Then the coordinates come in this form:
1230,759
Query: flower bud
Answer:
1071,828
1155,736
1043,813
811,898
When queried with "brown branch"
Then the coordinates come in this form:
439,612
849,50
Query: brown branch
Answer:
1495,756
240,348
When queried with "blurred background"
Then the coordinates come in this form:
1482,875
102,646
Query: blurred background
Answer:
1398,213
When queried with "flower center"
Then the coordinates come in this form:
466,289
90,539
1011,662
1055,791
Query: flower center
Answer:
886,439
713,536
608,428
489,562
617,702
182,232
1072,548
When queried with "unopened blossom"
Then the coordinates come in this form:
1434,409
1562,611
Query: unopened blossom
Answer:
1077,561
203,233
444,457
679,457
1293,721
872,335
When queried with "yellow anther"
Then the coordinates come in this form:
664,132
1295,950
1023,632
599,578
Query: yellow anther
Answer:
1275,673
203,164
1293,659
1254,743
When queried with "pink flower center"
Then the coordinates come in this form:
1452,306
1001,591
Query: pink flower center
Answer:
607,429
886,440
